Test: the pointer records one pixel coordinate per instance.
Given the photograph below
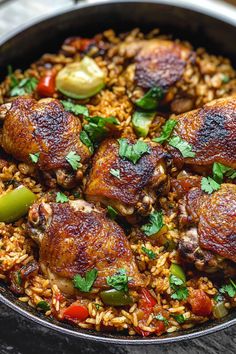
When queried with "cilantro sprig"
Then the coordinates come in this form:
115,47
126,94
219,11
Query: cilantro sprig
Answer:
23,87
85,283
209,185
229,289
155,223
151,255
151,99
160,317
180,292
34,157
115,172
44,305
119,280
182,145
220,170
111,212
74,160
61,198
76,109
132,152
166,131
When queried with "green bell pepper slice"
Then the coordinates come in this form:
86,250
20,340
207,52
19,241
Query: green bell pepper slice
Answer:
141,122
115,297
177,271
15,204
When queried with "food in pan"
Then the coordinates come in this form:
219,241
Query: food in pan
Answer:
117,184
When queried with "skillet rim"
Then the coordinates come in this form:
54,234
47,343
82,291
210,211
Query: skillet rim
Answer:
220,11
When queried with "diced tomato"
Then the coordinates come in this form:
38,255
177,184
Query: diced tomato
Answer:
46,85
76,312
160,327
200,303
148,298
142,332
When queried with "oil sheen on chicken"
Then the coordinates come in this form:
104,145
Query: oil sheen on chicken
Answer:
134,190
43,127
76,237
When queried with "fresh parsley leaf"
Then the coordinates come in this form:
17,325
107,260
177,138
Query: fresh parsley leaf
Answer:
24,86
166,131
86,140
115,173
151,99
74,160
34,157
98,127
178,286
159,317
183,146
61,198
119,281
229,289
111,212
85,283
179,318
149,253
77,109
218,297
208,185
44,305
155,223
219,170
132,152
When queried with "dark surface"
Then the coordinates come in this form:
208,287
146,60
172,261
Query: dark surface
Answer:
20,336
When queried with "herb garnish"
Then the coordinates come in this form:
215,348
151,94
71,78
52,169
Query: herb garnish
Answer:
166,131
229,289
85,283
219,170
119,281
155,223
74,160
111,212
97,127
149,253
209,185
44,305
179,318
23,87
115,172
86,141
151,99
132,152
34,157
179,288
183,146
61,198
77,109
160,317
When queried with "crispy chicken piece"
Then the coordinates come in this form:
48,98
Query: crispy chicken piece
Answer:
208,223
76,237
43,127
211,131
135,188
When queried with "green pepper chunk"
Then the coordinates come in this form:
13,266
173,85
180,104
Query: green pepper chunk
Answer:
15,204
177,271
142,122
115,297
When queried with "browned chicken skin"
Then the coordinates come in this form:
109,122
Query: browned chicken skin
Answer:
135,190
208,224
43,127
76,237
211,131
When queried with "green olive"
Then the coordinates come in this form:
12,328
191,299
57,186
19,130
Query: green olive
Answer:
80,79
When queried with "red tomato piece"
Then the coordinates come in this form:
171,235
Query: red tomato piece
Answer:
142,332
160,327
148,298
46,85
200,303
76,312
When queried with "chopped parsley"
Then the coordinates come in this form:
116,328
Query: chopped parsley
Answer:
159,317
61,198
44,305
155,223
97,306
183,146
34,157
149,253
209,185
23,87
180,292
77,109
166,131
219,297
132,152
85,283
98,127
74,160
111,212
151,99
115,172
179,318
119,281
220,170
86,140
229,289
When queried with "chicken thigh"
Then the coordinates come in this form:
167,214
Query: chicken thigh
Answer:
76,237
45,129
133,189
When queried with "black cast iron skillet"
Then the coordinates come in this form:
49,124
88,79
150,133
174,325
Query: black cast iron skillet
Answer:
213,27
